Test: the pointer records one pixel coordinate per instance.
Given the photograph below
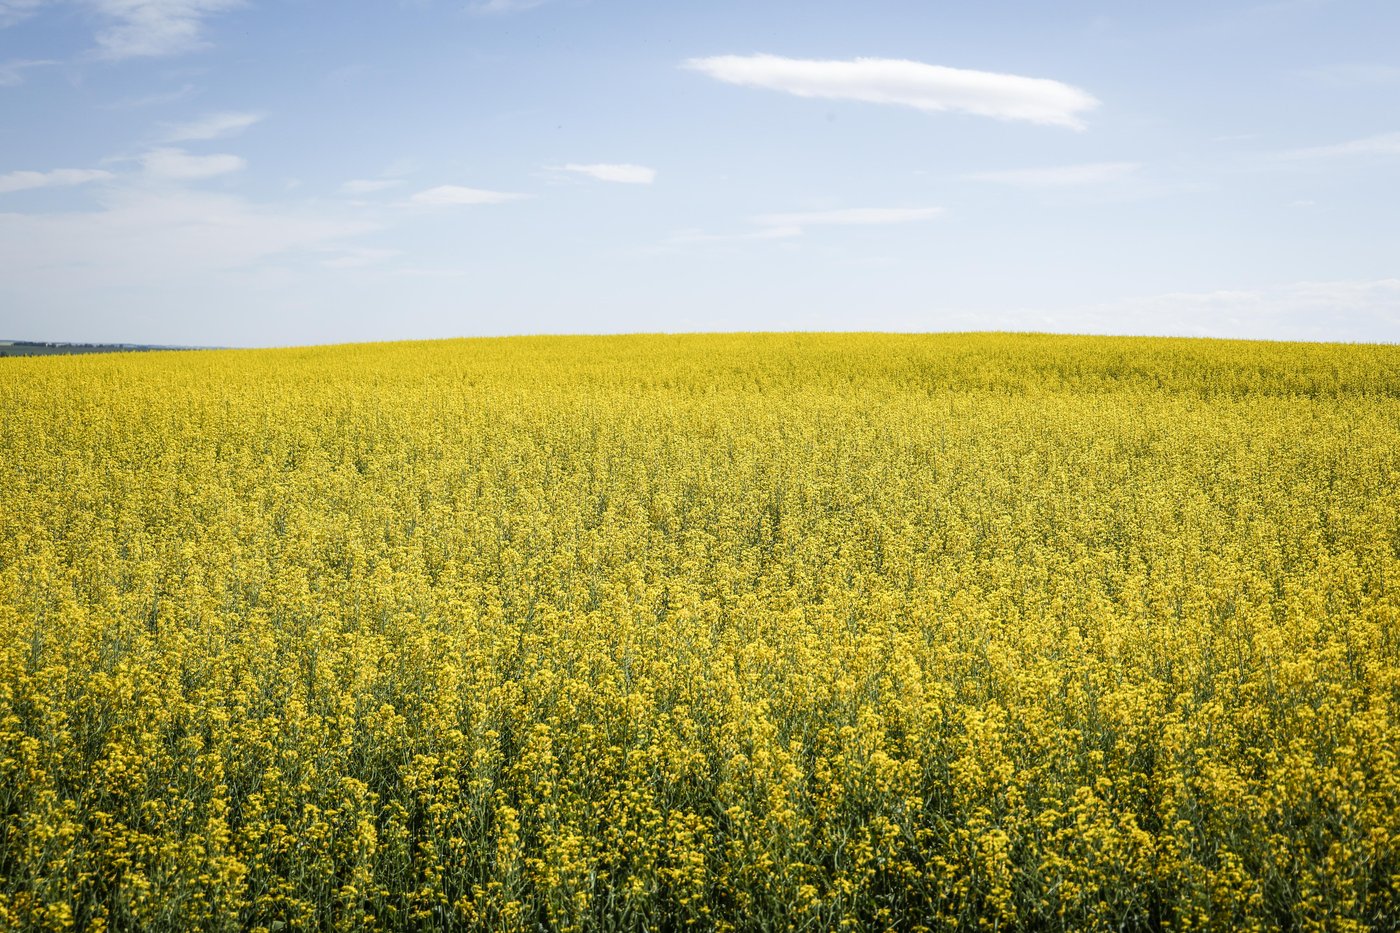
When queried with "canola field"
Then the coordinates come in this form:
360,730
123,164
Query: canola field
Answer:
758,632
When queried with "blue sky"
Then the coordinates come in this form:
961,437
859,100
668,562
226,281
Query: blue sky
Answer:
271,172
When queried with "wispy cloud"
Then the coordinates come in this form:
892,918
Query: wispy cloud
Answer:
13,11
1356,310
154,28
1318,310
213,126
150,236
456,195
184,92
926,87
178,165
1355,74
400,167
1063,176
369,185
359,257
618,172
795,223
57,178
490,7
1386,144
691,235
846,217
12,72
394,174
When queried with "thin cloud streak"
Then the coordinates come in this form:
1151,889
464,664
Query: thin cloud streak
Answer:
624,173
12,72
499,7
155,28
369,185
458,196
179,165
185,92
1347,310
358,258
692,236
214,126
15,11
56,178
1063,176
931,88
148,236
1354,75
848,217
1385,144
787,225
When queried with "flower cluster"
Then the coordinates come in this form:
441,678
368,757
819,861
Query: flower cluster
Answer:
756,632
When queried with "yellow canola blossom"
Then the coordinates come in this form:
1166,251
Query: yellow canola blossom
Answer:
752,632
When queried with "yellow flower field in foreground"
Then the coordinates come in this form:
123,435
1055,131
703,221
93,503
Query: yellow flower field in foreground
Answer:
781,632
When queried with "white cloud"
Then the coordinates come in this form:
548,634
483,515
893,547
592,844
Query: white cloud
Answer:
456,195
914,84
846,217
13,11
1386,144
619,172
793,224
393,176
179,165
214,126
359,257
400,167
1366,310
369,185
506,6
184,92
152,28
151,236
12,72
59,177
1063,176
1354,74
1358,310
692,235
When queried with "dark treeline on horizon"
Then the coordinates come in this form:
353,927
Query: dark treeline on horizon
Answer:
56,348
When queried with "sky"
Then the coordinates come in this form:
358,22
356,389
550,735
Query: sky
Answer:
284,172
